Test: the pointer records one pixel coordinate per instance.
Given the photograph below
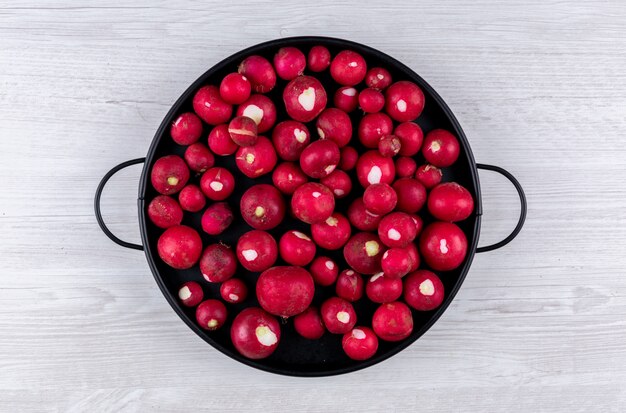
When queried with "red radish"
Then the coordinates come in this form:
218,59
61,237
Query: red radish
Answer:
405,167
191,198
235,89
373,168
419,223
338,315
348,158
349,286
208,104
393,321
332,233
382,289
389,146
211,314
346,99
259,72
378,78
287,177
218,263
441,148
217,183
165,212
243,131
296,248
404,101
411,195
199,157
379,199
216,218
429,175
319,158
290,138
318,59
414,254
411,137
360,344
339,182
258,159
397,262
324,271
348,68
450,202
373,127
312,203
180,247
257,250
190,294
397,230
309,324
261,110
371,100
285,291
234,291
255,333
262,207
169,174
289,62
423,290
443,246
304,98
334,124
220,142
186,129
363,253
361,218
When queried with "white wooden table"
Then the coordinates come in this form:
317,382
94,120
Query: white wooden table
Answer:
540,89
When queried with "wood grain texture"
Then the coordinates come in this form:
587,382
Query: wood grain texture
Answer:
540,89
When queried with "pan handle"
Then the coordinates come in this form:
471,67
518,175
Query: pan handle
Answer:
522,198
96,203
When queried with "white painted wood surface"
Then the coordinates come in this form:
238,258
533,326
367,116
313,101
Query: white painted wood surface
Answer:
540,89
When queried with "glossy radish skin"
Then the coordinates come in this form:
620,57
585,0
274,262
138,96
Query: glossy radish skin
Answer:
319,158
218,263
190,294
373,168
348,68
180,247
287,177
309,324
332,233
346,98
404,101
411,138
259,72
382,289
262,207
304,98
338,315
216,218
243,131
372,128
348,158
199,157
397,262
234,291
258,159
443,246
379,199
411,195
211,314
255,333
405,167
290,138
261,110
285,291
378,78
371,100
361,218
312,203
441,148
397,230
257,250
360,344
208,104
414,255
217,183
296,248
186,129
429,175
169,174
363,253
450,202
324,271
289,63
318,59
220,142
423,290
165,212
419,222
334,124
349,286
235,89
191,198
393,321
338,182
389,146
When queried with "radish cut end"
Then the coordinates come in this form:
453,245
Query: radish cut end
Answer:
265,336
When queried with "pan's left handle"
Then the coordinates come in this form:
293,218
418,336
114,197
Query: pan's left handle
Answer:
96,203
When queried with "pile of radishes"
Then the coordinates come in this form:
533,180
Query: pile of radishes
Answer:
312,164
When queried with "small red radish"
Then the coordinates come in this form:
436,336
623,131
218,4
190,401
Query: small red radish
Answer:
319,158
309,324
208,104
373,168
414,254
257,250
346,98
285,291
165,212
216,218
443,246
190,294
405,167
332,233
363,253
378,78
217,183
191,198
348,158
397,262
348,68
411,195
338,182
211,314
180,247
186,129
393,321
258,159
235,89
318,59
255,333
379,199
361,218
450,202
218,263
324,271
290,138
304,98
169,174
404,101
199,157
338,315
372,127
419,223
334,124
262,207
312,203
234,291
360,344
261,110
289,62
287,177
349,286
411,138
429,175
423,290
371,100
441,148
296,248
382,289
220,142
243,131
389,146
397,230
259,72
